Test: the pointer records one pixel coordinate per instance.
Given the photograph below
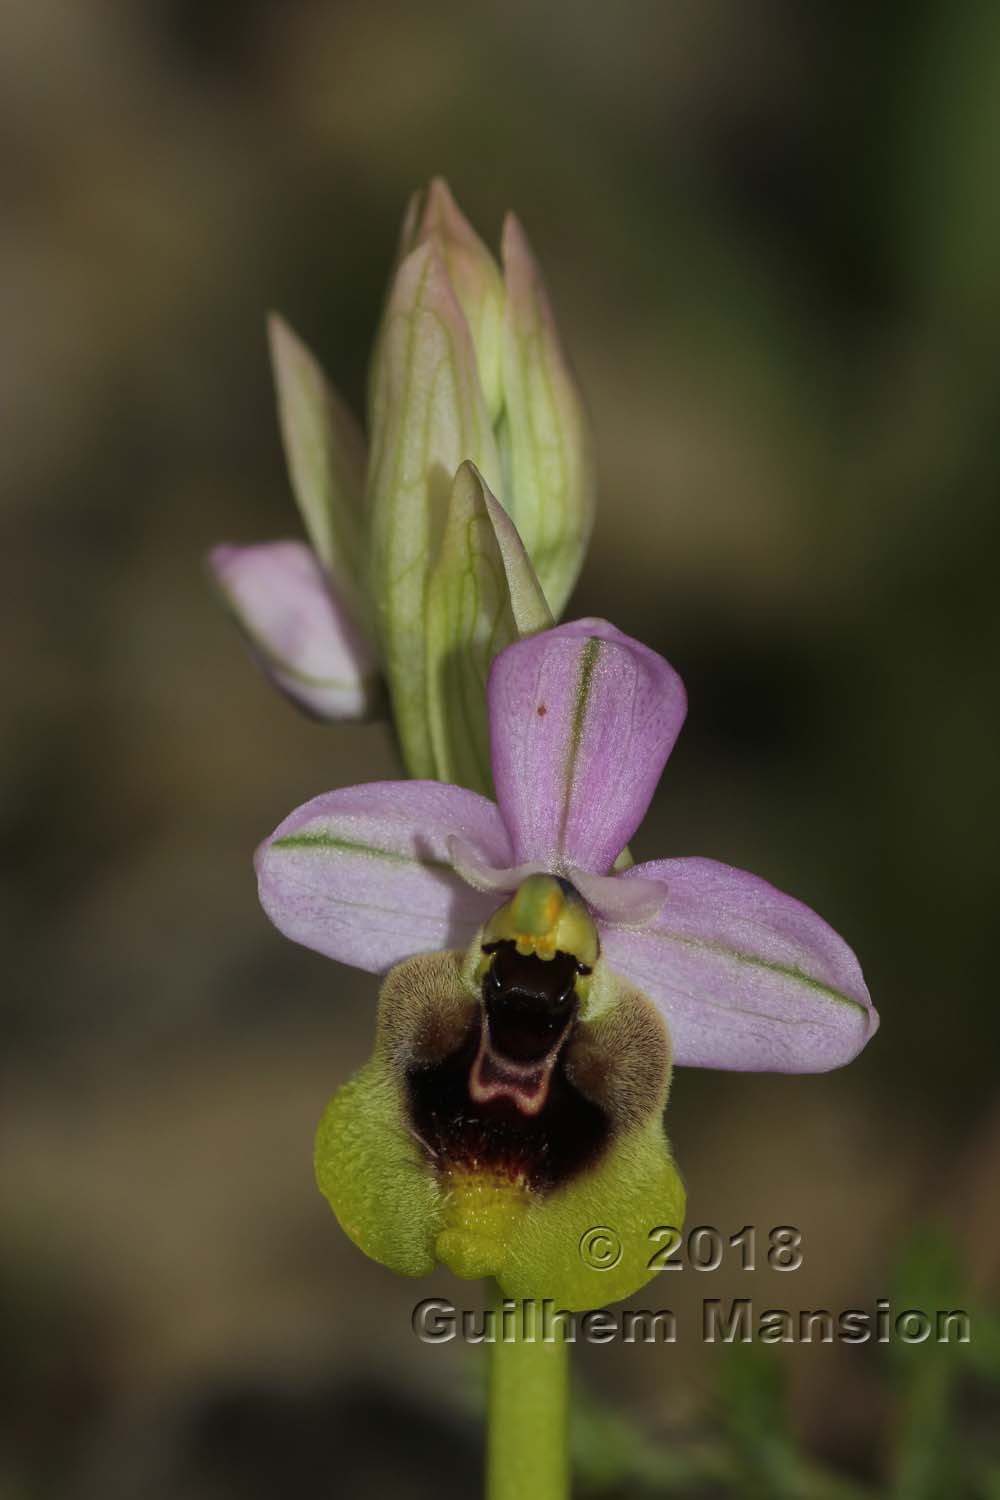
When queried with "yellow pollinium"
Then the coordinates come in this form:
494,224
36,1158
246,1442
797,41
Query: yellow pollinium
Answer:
546,916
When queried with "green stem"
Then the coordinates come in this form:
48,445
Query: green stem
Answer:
527,1437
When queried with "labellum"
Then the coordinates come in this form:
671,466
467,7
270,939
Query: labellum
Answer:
515,1092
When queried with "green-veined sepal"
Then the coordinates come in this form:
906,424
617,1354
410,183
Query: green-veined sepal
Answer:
482,595
326,457
545,435
475,277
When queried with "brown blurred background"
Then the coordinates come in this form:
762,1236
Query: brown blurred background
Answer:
772,235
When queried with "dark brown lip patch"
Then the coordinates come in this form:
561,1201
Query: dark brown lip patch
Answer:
502,1101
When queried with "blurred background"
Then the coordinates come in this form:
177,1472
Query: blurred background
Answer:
772,236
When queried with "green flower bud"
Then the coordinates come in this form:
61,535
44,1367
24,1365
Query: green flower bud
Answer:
545,438
467,368
509,1112
428,414
463,525
325,452
482,596
475,277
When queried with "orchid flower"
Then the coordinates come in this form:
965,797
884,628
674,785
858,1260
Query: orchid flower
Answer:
537,998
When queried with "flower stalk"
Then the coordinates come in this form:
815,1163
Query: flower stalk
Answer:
527,1434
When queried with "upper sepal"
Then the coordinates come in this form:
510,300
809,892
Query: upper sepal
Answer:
582,720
